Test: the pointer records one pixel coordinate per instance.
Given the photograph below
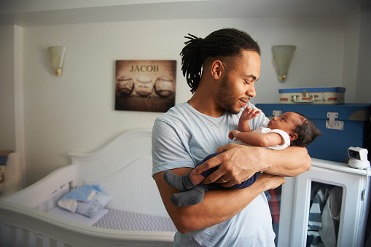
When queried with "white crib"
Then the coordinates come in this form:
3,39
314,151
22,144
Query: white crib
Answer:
31,217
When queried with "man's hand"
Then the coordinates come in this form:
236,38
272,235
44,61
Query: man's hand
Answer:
237,163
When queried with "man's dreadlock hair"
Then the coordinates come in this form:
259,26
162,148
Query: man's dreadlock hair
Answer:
223,42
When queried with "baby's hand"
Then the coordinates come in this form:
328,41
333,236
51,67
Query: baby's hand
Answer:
249,113
233,134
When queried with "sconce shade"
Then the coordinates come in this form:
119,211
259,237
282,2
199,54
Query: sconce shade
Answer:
56,57
282,55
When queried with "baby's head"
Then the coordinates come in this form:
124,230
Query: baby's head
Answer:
307,132
301,129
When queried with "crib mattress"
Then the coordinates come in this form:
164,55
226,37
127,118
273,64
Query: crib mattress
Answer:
130,221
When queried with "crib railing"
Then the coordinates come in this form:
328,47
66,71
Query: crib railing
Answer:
13,236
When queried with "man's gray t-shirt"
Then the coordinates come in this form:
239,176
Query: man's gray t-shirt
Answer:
183,137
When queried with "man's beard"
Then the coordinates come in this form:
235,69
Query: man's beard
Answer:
226,97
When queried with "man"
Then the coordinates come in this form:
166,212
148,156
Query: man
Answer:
221,70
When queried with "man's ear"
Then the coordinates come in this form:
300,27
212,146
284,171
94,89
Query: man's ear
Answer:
217,69
293,136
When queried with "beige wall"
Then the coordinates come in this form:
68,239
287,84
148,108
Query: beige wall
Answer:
7,110
363,72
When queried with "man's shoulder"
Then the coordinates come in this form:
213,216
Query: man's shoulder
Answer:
176,117
178,111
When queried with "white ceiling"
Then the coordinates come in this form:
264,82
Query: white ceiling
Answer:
45,12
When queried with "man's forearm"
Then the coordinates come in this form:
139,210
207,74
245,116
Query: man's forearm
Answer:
289,162
213,209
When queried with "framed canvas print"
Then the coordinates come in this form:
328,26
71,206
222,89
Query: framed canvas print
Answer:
145,85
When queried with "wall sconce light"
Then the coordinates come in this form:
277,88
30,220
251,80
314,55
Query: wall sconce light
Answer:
282,55
56,57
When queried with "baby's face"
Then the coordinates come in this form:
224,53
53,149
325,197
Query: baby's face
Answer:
286,122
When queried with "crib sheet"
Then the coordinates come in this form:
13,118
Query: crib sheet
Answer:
115,219
124,220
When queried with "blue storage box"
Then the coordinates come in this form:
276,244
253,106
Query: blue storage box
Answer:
315,95
342,126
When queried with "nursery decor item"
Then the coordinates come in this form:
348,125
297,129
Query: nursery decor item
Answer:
145,85
282,55
56,57
312,95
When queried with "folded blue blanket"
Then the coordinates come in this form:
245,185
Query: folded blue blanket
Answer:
83,193
87,200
